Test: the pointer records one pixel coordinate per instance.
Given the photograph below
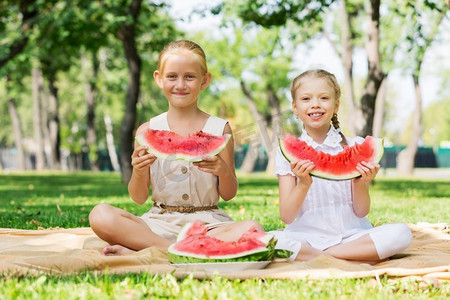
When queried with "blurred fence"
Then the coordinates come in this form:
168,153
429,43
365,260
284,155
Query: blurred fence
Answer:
426,157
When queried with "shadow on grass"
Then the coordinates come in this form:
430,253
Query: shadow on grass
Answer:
29,201
414,187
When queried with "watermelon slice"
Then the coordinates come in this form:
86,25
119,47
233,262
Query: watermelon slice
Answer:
171,146
341,166
194,246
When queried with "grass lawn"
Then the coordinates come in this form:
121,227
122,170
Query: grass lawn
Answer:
30,200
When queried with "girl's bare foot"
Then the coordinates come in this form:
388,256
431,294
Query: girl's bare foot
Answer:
117,250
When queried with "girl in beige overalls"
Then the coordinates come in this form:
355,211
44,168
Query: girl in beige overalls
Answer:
182,192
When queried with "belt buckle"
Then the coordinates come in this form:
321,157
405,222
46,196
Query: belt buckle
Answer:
189,209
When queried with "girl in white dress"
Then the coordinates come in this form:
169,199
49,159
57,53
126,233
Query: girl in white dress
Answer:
327,217
182,192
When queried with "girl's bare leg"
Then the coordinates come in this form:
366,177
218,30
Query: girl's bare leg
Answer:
307,252
362,250
123,230
233,231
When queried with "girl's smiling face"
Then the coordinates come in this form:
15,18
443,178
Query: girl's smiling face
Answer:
182,79
315,103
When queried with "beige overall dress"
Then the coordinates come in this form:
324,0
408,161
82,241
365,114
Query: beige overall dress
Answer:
180,183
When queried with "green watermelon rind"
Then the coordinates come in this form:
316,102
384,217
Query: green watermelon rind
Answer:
141,141
379,150
258,254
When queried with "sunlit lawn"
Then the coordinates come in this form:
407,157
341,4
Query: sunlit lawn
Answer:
29,201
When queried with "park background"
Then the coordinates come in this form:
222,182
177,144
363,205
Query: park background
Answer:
76,77
76,80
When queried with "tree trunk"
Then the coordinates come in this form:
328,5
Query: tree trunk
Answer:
110,144
54,123
49,158
347,63
276,119
251,156
90,93
36,77
375,75
405,160
379,110
17,129
126,34
263,129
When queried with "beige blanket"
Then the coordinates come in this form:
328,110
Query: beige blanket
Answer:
63,251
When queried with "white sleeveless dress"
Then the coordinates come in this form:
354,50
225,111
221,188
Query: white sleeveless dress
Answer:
180,183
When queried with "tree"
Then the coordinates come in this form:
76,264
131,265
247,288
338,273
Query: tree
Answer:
11,12
257,61
424,27
259,58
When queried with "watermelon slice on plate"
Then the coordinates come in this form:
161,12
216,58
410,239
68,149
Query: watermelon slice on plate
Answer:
168,145
194,246
341,166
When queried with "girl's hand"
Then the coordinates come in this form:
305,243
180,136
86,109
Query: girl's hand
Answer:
141,159
212,164
301,169
367,170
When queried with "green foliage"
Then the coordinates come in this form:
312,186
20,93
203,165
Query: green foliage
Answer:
278,13
421,20
255,56
63,32
436,120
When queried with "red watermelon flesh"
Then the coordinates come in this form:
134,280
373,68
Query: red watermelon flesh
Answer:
168,145
197,247
194,229
341,166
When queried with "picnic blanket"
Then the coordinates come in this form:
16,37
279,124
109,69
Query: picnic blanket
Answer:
64,251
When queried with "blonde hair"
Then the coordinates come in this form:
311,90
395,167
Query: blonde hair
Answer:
183,45
316,73
331,79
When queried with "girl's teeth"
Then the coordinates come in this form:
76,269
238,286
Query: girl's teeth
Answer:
316,115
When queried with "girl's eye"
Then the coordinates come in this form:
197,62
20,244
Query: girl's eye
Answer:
171,76
190,76
304,98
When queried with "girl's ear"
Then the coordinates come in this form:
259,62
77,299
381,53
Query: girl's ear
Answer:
158,79
205,81
294,107
336,106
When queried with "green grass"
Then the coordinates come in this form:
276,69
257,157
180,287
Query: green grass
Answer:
29,201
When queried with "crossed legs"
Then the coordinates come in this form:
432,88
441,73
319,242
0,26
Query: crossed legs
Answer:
127,233
377,244
123,230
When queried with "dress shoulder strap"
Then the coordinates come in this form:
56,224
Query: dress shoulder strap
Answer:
215,125
159,122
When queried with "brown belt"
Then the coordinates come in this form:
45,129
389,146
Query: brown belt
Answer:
184,209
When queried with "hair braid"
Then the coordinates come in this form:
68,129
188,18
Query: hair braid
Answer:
335,123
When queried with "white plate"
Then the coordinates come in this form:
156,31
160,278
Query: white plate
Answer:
225,267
